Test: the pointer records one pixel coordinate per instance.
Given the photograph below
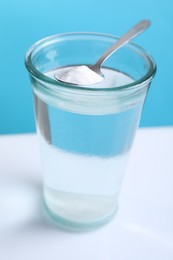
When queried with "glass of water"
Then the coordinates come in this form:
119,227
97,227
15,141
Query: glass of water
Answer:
86,132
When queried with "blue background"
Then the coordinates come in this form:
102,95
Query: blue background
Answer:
24,22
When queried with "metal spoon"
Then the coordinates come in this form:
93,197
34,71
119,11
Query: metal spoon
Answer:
132,33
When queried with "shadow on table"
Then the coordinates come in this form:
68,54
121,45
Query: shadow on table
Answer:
22,208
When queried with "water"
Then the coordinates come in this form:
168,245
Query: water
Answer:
81,187
84,158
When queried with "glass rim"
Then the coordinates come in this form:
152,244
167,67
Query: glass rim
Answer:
47,40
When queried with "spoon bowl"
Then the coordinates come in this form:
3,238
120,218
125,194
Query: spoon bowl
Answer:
89,75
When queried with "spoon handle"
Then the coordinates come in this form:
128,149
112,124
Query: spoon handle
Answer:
132,33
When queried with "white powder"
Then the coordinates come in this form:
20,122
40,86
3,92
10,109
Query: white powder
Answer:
78,75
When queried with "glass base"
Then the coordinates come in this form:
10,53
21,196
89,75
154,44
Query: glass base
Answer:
73,226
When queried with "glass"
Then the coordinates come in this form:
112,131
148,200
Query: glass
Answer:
86,132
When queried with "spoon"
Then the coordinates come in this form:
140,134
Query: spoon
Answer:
87,75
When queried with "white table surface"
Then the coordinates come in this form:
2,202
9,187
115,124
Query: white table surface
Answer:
142,228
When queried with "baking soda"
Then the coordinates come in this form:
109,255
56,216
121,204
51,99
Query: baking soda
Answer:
78,75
